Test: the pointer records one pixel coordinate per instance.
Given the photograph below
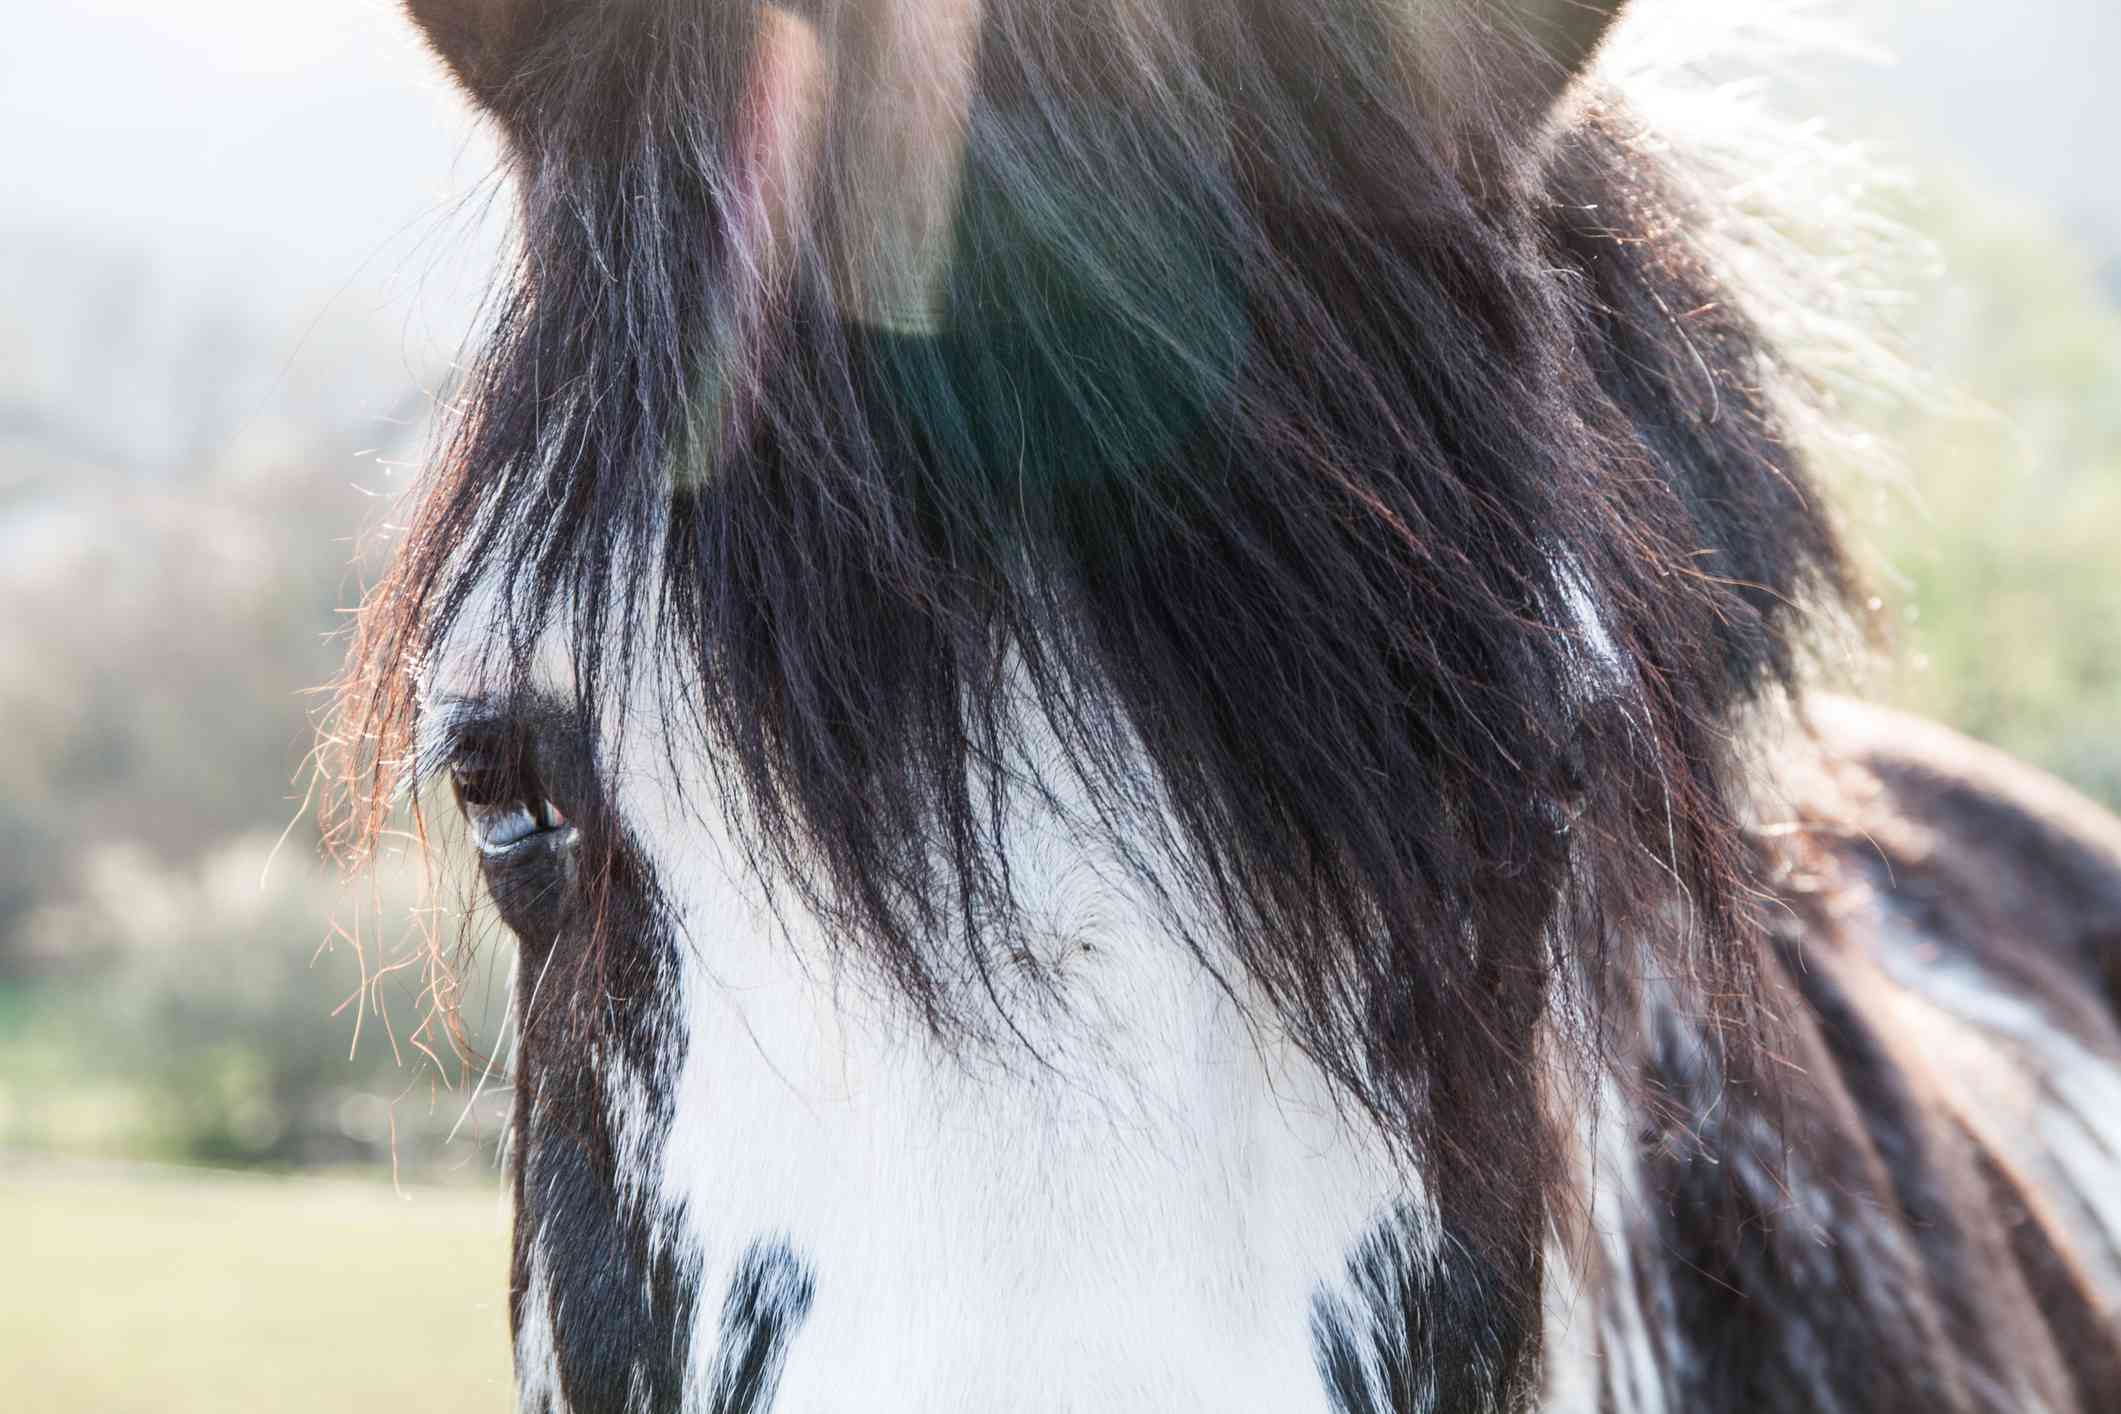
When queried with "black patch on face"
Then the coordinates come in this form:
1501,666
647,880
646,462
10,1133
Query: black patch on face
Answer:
585,914
768,1300
1412,1335
622,1318
586,917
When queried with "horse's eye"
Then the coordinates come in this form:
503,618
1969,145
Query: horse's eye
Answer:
505,805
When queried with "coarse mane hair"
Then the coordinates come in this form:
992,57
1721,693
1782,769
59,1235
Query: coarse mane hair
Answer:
1362,484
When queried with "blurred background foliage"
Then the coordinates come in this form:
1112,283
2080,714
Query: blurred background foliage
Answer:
224,313
1996,549
225,310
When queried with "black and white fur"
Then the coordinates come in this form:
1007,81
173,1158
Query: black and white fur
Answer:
1158,806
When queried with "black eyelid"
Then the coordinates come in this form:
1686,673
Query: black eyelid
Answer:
495,766
466,737
492,759
477,785
494,751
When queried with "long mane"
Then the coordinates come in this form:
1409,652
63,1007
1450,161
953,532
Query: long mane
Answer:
1377,502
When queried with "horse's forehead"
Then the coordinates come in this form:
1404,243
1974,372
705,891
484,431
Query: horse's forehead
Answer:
479,653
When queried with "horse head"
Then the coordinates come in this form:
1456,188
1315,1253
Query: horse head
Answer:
1088,646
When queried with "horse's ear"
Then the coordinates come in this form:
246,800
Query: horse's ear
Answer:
478,39
1564,36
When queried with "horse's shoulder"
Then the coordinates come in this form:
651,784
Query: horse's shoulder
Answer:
1946,981
1971,794
1976,852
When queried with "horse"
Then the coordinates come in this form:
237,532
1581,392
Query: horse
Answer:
1140,680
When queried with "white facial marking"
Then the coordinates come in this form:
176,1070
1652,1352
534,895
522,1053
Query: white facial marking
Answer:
1136,1220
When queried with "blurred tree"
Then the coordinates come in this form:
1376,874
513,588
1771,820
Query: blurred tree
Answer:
1996,548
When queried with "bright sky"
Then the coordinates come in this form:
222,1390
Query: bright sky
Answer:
288,146
2026,92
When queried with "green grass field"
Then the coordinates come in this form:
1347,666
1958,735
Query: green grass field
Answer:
177,1292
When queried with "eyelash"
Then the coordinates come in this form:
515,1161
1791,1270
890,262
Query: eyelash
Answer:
505,805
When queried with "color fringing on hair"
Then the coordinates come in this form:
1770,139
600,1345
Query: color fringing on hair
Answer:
1362,477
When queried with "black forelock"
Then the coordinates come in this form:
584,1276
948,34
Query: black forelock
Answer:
1267,445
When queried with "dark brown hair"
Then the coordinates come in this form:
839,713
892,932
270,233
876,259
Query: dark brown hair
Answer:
1349,459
